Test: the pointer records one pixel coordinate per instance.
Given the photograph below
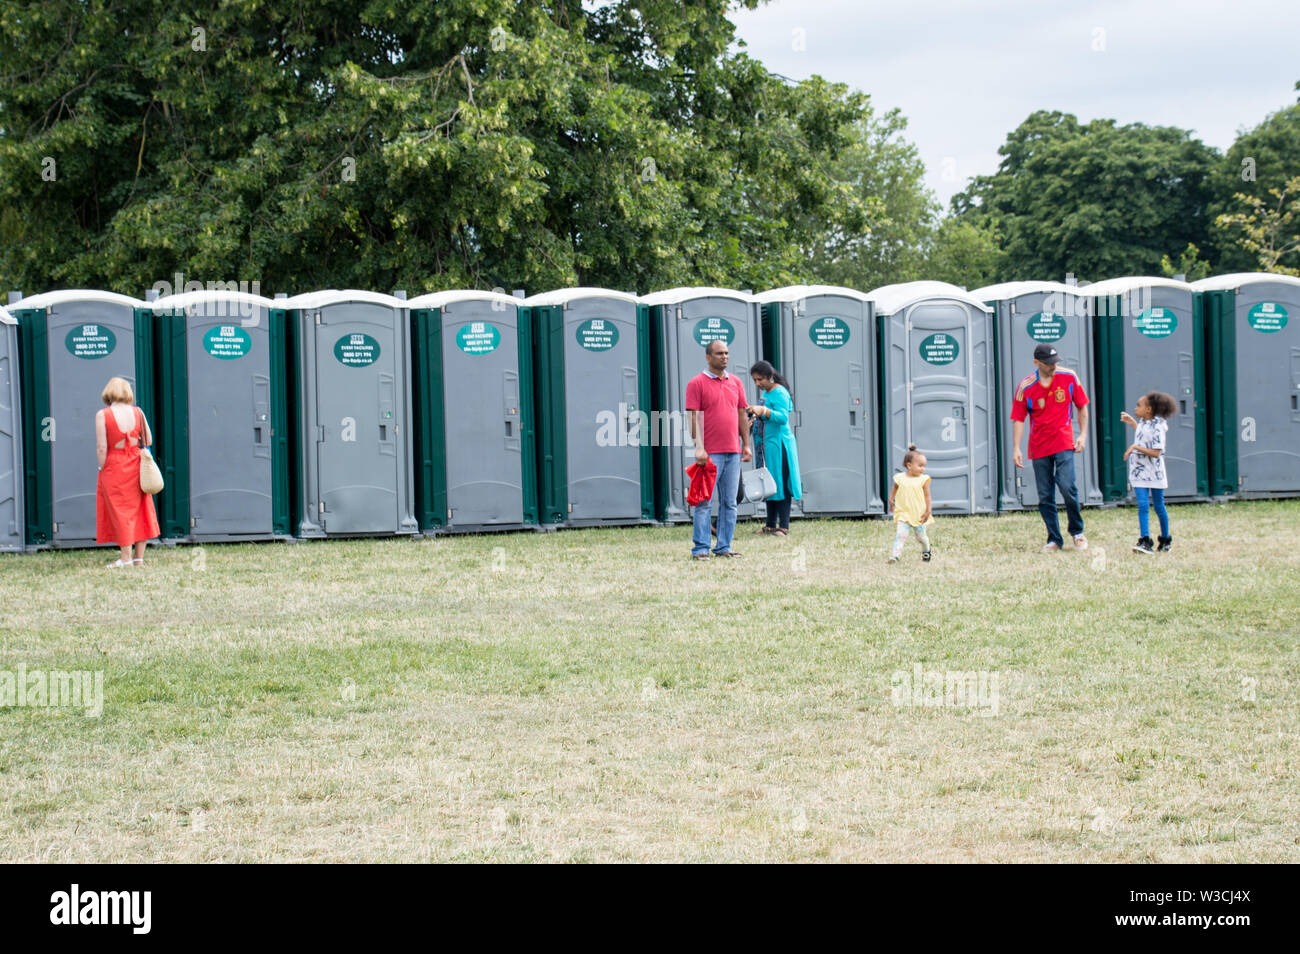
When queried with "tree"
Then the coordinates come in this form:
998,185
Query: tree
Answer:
1260,160
964,253
1190,266
426,145
1094,200
886,175
1269,231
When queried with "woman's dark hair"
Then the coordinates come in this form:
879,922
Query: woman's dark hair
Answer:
1162,404
911,452
764,369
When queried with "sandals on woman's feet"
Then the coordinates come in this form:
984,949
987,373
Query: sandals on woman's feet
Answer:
118,563
137,562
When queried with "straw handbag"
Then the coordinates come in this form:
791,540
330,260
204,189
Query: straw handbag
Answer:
151,479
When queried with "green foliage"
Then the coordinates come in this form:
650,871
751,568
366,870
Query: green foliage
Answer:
1261,160
885,175
1095,200
424,145
1268,231
1190,265
965,253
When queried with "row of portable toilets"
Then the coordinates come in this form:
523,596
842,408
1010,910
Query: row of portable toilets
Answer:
341,413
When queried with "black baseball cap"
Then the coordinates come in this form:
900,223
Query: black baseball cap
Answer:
1046,354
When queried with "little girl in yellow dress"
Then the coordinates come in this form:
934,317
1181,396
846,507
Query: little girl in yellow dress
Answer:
909,499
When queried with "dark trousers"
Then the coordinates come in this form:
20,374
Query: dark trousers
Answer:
1051,472
778,511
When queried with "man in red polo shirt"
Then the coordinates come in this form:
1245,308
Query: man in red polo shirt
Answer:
716,405
1048,398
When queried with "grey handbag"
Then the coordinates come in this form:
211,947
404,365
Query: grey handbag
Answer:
757,484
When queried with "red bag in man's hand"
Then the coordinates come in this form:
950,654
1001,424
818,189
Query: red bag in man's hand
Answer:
703,477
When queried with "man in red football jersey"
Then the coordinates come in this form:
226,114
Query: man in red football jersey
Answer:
1048,398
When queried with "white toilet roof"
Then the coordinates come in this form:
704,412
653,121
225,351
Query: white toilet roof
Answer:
671,296
186,299
62,295
560,295
334,296
1016,289
444,298
1120,286
799,292
891,299
1238,279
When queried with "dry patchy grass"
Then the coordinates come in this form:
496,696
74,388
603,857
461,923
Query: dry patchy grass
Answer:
596,696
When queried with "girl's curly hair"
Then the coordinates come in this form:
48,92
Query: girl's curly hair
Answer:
1162,404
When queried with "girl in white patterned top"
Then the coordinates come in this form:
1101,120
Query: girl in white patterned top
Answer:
1146,464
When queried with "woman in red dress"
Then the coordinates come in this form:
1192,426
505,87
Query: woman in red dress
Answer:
124,514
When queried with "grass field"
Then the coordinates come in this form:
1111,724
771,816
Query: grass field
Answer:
596,696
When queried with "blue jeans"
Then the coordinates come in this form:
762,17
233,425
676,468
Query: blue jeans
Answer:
724,492
1151,496
1051,472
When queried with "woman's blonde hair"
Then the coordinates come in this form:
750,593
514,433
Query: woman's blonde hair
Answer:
117,390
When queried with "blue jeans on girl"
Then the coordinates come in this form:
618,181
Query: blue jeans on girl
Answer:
1149,496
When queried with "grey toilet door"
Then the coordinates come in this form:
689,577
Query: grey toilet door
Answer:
12,518
90,342
833,381
1267,338
940,398
480,358
601,373
1026,322
229,373
1160,355
699,321
358,360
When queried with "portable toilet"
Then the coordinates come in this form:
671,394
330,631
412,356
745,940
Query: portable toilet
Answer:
937,390
1253,364
71,342
1025,315
592,386
684,321
1149,338
350,370
12,518
823,339
475,446
222,433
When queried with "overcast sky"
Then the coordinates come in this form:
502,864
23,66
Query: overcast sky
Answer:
966,74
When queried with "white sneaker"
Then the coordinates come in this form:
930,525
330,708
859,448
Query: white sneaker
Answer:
1081,542
1050,547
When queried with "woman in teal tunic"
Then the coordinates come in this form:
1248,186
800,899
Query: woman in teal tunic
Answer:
780,455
